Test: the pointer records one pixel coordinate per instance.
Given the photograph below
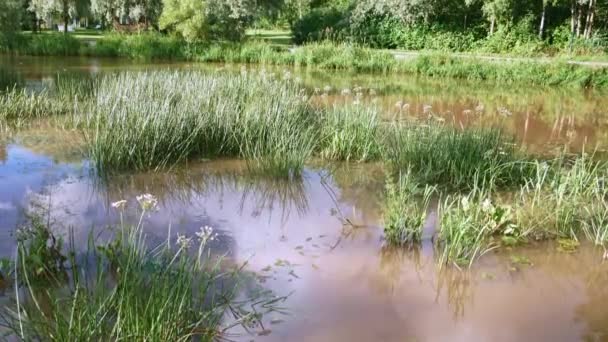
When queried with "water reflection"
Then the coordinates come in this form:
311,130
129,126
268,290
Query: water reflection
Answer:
320,236
542,118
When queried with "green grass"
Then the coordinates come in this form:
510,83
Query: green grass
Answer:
276,37
323,55
564,200
406,209
350,133
154,120
443,155
124,289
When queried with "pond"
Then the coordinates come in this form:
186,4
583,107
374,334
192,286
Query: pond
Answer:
318,237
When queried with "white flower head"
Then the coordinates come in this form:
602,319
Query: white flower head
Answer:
487,206
465,203
345,91
427,109
327,89
206,234
372,92
183,242
120,205
147,202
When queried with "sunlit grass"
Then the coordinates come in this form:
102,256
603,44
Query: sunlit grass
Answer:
124,288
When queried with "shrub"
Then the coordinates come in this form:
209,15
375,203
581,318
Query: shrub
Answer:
319,24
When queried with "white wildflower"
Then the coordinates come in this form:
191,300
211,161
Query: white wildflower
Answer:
327,89
183,242
487,206
120,205
206,234
465,203
345,91
147,202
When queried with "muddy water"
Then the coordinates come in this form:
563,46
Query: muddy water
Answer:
543,119
319,237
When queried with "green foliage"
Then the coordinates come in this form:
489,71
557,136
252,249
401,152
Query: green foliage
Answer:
51,44
141,46
460,159
197,20
319,24
405,210
545,74
10,20
350,132
143,121
468,225
124,288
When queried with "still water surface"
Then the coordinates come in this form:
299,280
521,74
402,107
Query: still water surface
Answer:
345,285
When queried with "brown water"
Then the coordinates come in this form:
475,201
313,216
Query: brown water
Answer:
344,284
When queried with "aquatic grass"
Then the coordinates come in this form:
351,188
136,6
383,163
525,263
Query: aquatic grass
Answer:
350,133
155,120
447,156
126,289
564,196
565,199
22,105
405,210
470,225
9,79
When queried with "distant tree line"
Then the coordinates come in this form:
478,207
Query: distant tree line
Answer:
494,25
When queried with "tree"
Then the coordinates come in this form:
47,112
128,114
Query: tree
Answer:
47,9
207,19
10,17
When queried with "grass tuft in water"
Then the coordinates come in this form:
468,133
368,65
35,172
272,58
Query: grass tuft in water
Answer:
350,133
406,210
154,120
458,159
122,289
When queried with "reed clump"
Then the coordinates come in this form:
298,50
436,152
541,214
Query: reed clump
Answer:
447,156
154,120
125,288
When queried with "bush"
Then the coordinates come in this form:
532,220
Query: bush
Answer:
319,24
51,44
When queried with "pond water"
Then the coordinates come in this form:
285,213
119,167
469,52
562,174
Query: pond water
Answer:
319,237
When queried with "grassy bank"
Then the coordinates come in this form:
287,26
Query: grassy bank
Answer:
122,289
317,55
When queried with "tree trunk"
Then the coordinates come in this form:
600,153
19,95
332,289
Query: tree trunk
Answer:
590,18
66,16
579,19
492,24
541,30
572,14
